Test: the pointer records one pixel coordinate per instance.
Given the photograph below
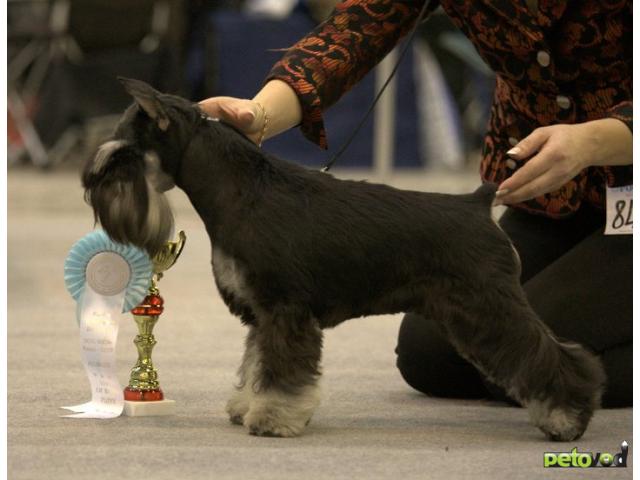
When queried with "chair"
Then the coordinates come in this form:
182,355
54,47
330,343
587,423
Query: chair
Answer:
62,87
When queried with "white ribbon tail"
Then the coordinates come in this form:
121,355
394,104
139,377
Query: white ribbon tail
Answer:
99,322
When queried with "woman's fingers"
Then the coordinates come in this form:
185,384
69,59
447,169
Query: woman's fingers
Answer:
547,182
531,144
529,171
211,106
241,113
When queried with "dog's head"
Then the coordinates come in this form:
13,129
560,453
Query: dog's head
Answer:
125,181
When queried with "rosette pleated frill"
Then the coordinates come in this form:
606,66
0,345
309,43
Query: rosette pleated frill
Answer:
141,268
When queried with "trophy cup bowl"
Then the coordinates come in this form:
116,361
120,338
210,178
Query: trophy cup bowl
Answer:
143,396
165,258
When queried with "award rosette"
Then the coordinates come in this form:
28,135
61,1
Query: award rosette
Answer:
106,279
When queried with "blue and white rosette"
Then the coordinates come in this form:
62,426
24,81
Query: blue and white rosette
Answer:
106,279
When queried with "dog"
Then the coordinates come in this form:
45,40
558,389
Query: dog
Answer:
295,251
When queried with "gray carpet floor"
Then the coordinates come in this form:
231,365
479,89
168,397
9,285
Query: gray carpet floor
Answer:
370,424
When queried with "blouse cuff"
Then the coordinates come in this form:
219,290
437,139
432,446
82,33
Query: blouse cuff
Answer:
623,111
619,175
312,124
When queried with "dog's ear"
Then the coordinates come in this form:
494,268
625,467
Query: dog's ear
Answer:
148,99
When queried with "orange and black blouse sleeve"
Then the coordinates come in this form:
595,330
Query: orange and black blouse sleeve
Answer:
331,59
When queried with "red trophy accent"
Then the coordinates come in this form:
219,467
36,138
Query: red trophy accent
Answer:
143,384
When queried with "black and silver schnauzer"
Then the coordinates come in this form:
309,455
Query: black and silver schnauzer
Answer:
296,251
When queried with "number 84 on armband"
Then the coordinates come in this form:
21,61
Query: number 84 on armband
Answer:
619,211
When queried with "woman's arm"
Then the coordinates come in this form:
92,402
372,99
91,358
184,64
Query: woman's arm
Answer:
320,68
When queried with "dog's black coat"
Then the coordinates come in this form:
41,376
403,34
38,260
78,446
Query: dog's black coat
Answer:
314,251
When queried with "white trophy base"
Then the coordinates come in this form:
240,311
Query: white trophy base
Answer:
149,409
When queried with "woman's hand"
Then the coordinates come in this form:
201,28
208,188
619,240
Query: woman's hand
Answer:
246,115
273,110
559,152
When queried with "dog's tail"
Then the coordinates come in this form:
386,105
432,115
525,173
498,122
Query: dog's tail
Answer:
486,192
483,197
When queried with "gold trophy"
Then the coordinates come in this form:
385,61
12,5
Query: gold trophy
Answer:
143,396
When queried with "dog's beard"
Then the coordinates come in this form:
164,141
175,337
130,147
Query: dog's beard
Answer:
159,224
126,195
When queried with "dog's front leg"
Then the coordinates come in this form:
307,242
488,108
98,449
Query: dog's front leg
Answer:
285,390
238,404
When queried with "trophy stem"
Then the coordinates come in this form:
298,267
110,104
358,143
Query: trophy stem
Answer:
143,383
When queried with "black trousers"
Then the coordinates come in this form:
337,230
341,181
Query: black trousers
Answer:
578,280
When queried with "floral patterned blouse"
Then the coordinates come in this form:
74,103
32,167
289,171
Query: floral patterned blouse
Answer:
569,62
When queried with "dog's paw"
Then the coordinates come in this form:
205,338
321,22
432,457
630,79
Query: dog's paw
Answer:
237,407
280,414
566,406
558,424
271,422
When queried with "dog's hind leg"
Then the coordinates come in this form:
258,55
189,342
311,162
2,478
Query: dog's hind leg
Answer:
238,404
498,332
285,389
